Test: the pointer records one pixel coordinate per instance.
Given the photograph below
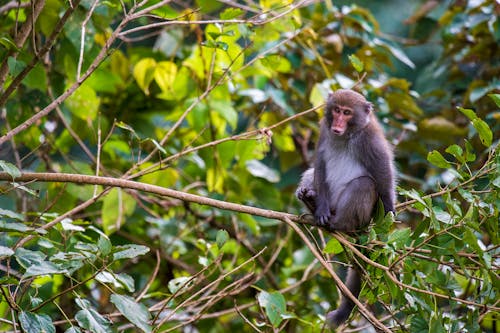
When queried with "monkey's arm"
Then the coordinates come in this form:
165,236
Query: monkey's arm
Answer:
322,213
377,159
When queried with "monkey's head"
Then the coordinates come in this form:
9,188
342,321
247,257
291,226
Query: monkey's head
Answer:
346,112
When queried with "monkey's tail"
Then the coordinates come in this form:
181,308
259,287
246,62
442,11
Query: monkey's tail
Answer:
353,282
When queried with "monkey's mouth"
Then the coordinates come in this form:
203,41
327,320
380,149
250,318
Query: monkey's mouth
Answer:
338,131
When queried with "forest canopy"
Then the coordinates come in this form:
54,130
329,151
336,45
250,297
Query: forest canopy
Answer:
150,151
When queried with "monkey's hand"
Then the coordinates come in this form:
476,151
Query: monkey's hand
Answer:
305,194
308,196
323,215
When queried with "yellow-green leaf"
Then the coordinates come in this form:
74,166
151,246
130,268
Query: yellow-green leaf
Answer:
144,72
164,75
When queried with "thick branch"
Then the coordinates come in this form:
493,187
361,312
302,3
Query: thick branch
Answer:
122,183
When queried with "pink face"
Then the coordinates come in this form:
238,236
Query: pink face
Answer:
341,117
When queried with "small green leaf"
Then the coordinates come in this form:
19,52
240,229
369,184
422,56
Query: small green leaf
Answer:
67,224
11,214
484,131
438,160
231,13
84,103
495,98
129,251
144,72
275,305
137,313
468,113
43,268
127,127
165,74
5,251
104,245
11,169
399,237
277,63
259,169
35,323
14,226
356,63
90,319
9,44
456,151
175,284
221,238
333,247
157,145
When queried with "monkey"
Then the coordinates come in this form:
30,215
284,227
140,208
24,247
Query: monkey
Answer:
353,169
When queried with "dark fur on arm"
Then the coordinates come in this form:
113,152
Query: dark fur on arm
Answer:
322,213
376,156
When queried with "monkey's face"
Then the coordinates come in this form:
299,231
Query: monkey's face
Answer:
346,112
341,118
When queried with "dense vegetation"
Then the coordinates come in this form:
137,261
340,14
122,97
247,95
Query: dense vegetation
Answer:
149,154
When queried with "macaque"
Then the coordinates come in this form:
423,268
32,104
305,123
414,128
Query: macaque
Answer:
353,169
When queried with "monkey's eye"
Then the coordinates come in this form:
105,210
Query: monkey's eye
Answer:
336,109
347,112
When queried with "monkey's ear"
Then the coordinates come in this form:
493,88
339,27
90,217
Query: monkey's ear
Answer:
368,107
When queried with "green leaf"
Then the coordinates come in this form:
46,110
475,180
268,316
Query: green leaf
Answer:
226,110
165,74
231,13
118,280
175,284
84,103
495,98
438,160
14,226
129,251
9,44
396,52
67,224
333,247
104,245
90,319
144,72
27,258
137,313
127,127
419,325
259,169
356,63
157,145
484,131
35,323
5,251
399,237
277,63
456,151
12,215
221,238
43,268
468,113
275,305
11,169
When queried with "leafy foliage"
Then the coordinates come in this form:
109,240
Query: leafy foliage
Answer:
219,99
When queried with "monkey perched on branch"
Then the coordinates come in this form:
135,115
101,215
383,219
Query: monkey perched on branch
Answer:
353,169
